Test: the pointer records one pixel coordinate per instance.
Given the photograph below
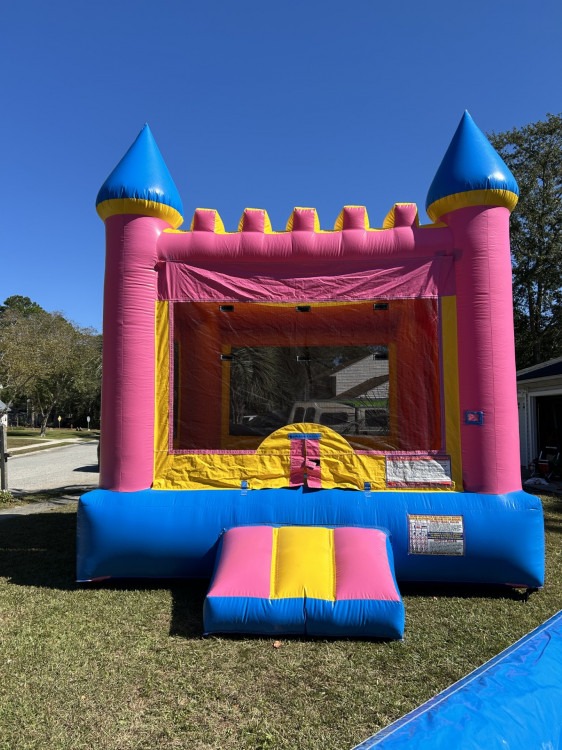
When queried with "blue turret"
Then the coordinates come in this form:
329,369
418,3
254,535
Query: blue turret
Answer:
141,184
472,173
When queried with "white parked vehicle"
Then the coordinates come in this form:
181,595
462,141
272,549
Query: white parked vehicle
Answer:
347,418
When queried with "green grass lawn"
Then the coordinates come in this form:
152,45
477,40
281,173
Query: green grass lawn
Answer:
21,436
124,666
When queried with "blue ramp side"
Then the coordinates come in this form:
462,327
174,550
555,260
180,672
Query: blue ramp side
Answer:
513,702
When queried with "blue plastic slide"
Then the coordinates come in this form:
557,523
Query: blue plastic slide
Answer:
513,702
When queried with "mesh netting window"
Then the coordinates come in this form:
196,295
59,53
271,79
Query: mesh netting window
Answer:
243,370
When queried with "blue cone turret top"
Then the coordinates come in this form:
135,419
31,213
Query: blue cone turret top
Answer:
472,173
141,184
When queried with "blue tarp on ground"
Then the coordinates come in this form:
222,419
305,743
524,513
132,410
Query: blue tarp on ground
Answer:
513,702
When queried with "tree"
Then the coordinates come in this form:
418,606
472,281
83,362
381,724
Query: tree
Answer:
70,356
46,358
82,396
23,326
24,305
534,155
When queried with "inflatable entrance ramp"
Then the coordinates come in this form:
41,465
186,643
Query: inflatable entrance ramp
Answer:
513,702
305,580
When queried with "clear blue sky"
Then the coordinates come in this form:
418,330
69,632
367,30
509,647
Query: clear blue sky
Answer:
263,104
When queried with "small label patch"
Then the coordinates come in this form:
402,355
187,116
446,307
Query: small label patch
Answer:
418,471
435,535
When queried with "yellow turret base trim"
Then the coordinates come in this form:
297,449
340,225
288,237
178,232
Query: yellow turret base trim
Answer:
500,198
139,207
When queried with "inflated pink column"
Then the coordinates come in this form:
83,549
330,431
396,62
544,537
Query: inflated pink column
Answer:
137,202
473,193
127,446
487,374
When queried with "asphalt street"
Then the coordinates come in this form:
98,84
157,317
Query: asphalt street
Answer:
68,468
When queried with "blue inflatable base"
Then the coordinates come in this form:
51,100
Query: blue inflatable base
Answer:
310,617
513,702
472,538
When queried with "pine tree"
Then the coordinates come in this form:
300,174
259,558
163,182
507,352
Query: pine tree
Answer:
534,155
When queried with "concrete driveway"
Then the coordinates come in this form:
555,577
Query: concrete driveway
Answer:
65,472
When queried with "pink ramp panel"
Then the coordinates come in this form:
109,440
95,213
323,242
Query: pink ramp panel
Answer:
305,580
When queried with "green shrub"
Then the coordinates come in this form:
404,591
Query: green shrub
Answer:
6,497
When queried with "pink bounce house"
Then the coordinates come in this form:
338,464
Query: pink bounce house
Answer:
311,415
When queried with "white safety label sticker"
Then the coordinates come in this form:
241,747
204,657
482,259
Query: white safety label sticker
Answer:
435,535
412,471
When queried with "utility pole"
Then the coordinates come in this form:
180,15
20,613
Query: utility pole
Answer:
3,455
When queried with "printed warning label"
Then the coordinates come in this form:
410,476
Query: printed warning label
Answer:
416,471
435,535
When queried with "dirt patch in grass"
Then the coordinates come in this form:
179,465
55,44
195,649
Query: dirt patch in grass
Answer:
124,666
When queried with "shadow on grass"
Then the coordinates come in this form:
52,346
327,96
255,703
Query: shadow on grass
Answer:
187,608
56,496
40,550
463,591
552,506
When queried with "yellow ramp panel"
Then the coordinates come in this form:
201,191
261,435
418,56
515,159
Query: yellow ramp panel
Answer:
303,563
